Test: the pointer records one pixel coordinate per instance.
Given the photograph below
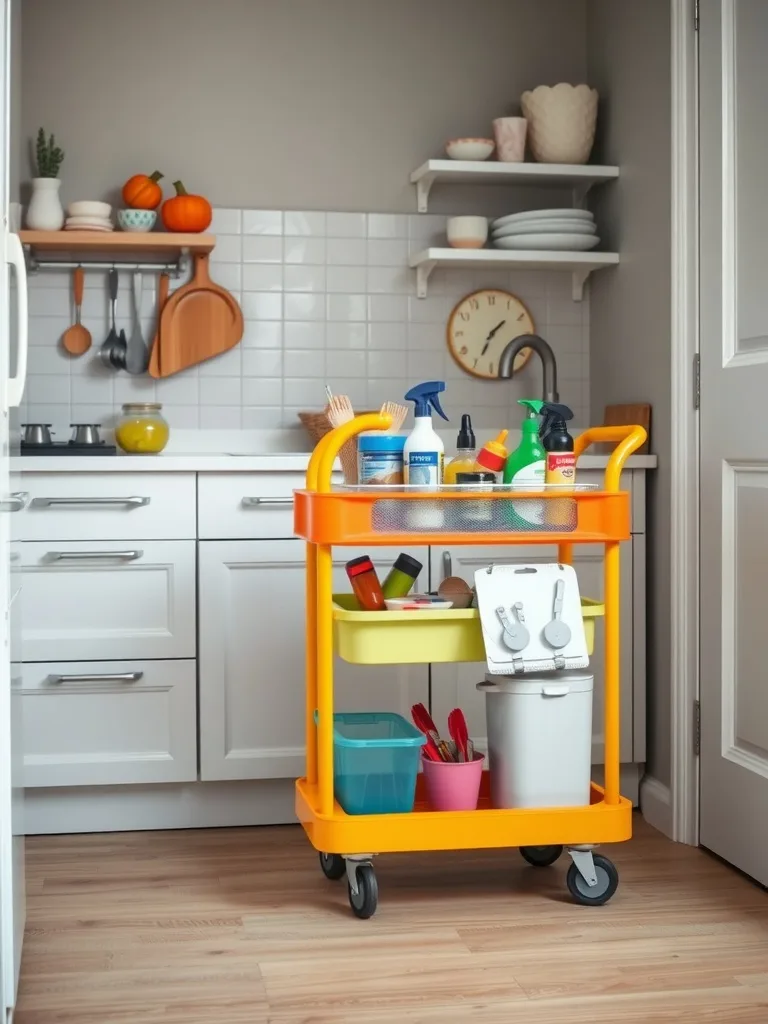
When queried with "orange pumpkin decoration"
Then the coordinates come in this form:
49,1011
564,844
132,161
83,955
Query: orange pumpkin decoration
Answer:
141,192
185,212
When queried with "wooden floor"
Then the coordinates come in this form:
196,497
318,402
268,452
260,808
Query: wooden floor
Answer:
238,926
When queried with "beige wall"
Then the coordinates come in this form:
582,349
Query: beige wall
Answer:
298,104
16,168
629,62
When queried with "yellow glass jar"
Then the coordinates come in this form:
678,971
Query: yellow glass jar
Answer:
141,429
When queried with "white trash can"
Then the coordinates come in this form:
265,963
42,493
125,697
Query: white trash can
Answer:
539,738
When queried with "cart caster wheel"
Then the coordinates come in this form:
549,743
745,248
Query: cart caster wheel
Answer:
332,865
594,895
540,856
364,901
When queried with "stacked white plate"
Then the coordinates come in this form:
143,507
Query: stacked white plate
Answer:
89,215
557,230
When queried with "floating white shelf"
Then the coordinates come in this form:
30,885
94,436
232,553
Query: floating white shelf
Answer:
581,264
581,177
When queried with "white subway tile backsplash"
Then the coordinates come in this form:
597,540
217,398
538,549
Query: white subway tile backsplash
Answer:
220,391
387,252
387,225
220,417
304,362
262,334
226,222
262,363
262,277
262,306
304,306
346,279
261,249
303,278
262,222
262,390
303,334
325,297
298,222
229,249
347,307
345,225
346,363
346,252
305,250
346,335
387,308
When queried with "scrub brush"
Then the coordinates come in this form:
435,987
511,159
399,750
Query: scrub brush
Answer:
340,410
398,414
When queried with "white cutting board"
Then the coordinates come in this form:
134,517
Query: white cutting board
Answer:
527,595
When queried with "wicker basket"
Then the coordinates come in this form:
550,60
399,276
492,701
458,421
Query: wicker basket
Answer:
317,425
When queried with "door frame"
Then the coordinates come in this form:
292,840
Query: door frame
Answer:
680,818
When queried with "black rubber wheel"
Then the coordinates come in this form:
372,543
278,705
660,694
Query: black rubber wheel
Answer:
333,866
364,902
540,856
595,895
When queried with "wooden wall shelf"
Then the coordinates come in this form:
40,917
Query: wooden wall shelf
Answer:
151,250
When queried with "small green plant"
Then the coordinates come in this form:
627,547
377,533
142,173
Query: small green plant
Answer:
49,156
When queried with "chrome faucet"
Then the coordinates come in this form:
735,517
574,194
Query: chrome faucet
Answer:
544,351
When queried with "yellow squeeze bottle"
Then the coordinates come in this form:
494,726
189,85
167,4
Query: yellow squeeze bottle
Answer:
465,459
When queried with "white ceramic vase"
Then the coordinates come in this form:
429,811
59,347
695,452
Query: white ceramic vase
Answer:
561,122
45,211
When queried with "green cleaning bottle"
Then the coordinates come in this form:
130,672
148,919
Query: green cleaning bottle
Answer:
526,469
528,462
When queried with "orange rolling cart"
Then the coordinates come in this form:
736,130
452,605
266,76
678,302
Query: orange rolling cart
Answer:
328,518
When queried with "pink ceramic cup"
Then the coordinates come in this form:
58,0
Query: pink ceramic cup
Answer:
510,133
451,785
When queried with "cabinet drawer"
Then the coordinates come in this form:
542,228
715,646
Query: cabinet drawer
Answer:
246,505
101,600
102,723
109,506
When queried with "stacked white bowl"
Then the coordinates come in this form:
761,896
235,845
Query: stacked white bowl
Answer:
88,215
556,230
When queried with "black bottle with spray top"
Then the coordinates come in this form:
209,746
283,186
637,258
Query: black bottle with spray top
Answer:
558,444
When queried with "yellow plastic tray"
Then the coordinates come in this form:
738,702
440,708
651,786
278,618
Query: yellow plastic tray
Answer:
397,638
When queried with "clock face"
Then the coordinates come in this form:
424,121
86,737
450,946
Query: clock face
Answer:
482,325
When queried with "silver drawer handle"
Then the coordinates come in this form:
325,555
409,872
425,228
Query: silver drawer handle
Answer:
98,677
15,502
69,556
133,502
253,502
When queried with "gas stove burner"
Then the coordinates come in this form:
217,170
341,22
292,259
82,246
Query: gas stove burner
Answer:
37,433
86,434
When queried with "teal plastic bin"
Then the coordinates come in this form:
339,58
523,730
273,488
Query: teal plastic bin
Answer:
375,762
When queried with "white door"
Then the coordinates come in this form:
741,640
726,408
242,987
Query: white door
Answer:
13,352
456,685
252,659
734,431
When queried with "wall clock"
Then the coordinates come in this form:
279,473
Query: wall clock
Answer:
482,325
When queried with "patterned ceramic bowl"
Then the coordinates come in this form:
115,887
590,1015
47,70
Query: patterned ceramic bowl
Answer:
136,220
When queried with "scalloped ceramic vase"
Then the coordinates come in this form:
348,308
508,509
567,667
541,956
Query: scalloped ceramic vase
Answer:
561,122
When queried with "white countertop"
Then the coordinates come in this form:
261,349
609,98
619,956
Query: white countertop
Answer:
209,462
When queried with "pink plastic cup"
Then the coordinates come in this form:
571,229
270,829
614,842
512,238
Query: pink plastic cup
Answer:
453,785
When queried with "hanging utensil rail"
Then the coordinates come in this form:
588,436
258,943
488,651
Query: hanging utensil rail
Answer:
177,269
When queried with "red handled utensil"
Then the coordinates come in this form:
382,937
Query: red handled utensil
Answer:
423,721
457,727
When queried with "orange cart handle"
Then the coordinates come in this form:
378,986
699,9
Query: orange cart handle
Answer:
328,447
627,440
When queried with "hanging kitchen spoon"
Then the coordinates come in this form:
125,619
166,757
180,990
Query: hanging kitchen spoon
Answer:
136,356
515,636
556,632
112,339
77,339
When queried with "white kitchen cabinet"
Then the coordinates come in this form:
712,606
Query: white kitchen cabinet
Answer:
109,506
104,723
455,685
102,600
252,651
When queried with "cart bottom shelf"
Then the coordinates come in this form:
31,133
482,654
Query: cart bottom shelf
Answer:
484,828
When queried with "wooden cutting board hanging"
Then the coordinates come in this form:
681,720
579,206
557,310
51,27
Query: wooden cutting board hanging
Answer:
199,321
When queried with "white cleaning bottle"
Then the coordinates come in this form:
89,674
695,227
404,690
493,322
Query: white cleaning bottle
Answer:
424,450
